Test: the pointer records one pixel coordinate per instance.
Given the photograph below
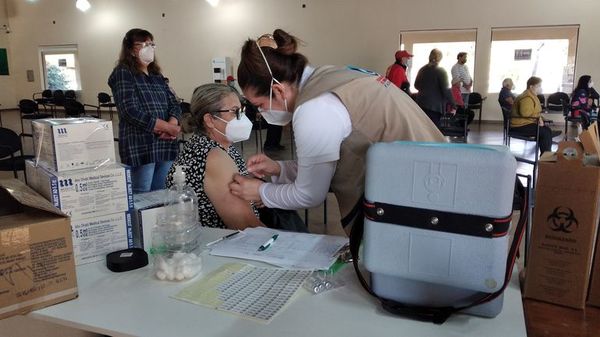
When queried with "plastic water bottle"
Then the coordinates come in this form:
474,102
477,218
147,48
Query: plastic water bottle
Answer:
175,241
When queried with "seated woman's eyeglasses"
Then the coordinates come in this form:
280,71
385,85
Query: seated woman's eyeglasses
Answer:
146,44
237,111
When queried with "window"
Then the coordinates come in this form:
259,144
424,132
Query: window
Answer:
449,42
60,68
545,52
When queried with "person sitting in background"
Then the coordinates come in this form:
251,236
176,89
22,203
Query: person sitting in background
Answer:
526,116
396,73
581,100
210,161
434,92
506,98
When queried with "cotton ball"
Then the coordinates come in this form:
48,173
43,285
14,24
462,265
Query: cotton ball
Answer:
161,275
179,256
179,276
170,275
188,272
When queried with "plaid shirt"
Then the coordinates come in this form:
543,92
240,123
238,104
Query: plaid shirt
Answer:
140,100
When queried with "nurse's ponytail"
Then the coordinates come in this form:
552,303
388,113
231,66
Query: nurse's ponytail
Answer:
280,50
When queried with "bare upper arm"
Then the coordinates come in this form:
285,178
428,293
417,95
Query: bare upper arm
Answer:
235,212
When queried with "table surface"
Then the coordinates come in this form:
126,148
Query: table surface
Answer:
136,304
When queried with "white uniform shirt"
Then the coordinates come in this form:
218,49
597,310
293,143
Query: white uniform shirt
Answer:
460,73
320,125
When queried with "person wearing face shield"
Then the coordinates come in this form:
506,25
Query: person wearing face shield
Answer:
149,113
526,115
336,114
210,160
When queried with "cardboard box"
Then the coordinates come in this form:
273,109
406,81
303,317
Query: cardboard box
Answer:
73,143
84,193
95,237
36,253
149,211
565,223
594,295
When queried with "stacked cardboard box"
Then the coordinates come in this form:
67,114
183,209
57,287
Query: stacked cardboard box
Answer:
75,169
37,268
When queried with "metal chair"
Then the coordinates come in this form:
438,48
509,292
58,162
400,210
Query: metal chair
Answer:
476,103
454,125
10,143
29,110
511,133
77,109
105,101
44,98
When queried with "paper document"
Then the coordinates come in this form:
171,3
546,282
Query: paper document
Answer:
252,292
290,249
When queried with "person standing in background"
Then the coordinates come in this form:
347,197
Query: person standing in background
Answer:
434,92
462,77
396,73
149,113
581,100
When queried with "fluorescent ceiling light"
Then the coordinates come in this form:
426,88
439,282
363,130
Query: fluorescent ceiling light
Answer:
213,3
83,5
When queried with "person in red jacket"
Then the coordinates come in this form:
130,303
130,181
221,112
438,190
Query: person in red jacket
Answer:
396,73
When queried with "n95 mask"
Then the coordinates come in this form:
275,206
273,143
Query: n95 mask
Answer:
237,130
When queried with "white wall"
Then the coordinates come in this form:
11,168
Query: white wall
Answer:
7,83
359,32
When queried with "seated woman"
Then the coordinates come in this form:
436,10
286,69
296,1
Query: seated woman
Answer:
526,115
506,98
581,100
210,161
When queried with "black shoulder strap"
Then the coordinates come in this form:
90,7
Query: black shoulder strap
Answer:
439,315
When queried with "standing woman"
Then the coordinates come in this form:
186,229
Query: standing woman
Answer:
434,91
148,112
336,114
581,100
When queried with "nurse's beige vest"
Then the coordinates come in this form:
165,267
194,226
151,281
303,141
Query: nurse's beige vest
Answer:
380,112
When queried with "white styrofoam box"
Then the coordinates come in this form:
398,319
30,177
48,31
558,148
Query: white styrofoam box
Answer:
97,236
63,144
84,193
419,265
149,210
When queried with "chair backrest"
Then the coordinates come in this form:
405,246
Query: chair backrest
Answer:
47,93
103,98
475,99
28,107
70,94
74,108
558,101
58,97
9,142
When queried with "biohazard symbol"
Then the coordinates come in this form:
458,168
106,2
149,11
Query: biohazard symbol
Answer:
563,220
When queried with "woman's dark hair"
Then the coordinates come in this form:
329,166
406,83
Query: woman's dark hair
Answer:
286,64
127,57
583,83
206,98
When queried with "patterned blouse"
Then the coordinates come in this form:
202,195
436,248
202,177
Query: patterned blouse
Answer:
193,158
140,100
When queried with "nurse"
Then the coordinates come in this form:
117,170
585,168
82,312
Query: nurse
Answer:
336,114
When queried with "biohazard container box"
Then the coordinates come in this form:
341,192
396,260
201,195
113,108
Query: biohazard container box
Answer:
565,223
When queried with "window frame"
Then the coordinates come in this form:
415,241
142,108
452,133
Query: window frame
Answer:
45,50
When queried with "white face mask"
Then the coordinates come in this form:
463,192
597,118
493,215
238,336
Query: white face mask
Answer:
538,90
146,55
237,130
591,84
277,117
274,117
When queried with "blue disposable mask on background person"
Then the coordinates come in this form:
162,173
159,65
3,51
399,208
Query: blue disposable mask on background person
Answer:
237,130
274,117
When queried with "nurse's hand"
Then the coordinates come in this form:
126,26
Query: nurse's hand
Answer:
260,166
245,188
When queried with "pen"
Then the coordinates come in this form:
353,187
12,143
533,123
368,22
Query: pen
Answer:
223,238
268,244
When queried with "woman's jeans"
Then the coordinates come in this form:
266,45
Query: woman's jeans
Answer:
150,177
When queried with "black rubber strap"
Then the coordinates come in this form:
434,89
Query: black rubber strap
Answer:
473,225
438,315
